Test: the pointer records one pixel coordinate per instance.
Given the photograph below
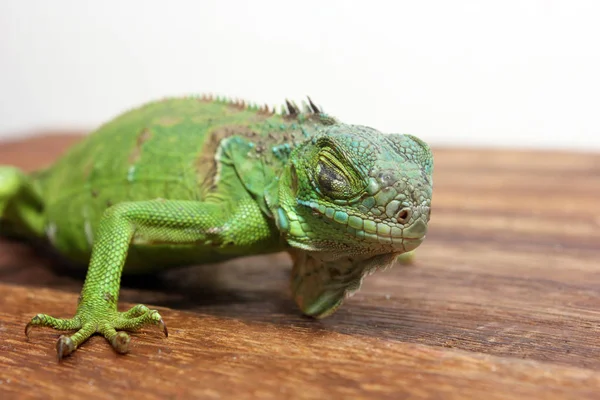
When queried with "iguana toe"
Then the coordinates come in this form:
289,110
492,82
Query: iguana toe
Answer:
64,347
120,342
44,320
139,316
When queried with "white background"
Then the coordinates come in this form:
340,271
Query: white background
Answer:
494,73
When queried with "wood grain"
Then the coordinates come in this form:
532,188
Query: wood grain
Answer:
503,302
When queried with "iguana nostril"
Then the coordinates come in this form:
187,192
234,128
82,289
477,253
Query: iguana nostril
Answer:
403,215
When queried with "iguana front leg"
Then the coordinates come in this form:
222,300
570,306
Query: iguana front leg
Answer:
147,222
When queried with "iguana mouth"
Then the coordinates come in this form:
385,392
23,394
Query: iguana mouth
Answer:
405,237
387,232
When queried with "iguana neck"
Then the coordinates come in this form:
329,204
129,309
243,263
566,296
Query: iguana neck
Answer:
321,281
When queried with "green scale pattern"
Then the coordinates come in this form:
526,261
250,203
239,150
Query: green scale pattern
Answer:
193,180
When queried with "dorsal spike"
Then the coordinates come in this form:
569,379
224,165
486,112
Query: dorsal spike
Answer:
265,110
313,106
292,108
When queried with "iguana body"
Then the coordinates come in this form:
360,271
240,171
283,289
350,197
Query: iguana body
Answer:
193,180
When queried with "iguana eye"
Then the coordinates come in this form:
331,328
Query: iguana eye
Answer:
335,177
331,181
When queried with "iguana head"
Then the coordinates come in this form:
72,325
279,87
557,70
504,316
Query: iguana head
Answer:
351,199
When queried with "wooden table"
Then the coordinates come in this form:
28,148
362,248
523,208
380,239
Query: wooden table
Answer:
503,302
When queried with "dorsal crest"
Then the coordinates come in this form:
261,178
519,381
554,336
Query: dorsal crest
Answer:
308,111
289,110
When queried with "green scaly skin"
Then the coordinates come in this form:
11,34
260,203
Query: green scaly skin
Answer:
192,180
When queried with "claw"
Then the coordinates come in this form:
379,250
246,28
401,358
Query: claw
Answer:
34,321
64,347
121,342
28,329
163,326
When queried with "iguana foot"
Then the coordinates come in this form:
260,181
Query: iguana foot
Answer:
106,323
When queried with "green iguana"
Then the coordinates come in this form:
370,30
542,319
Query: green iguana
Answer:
191,180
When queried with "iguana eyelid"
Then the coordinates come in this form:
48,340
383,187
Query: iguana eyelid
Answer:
338,162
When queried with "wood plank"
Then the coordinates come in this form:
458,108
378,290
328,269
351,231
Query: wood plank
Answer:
213,356
502,302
